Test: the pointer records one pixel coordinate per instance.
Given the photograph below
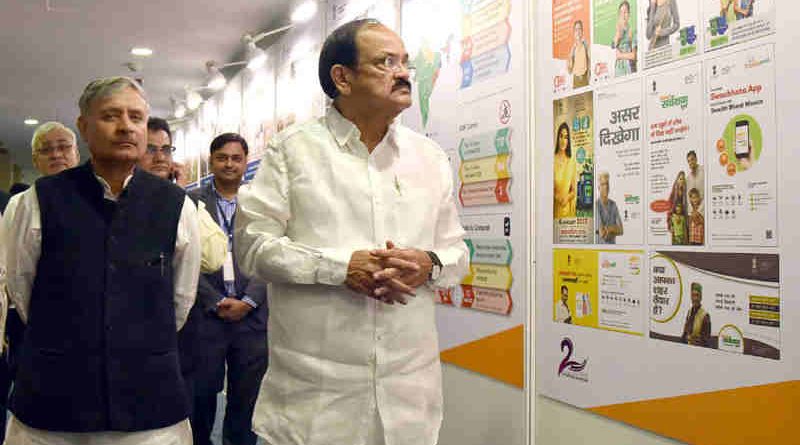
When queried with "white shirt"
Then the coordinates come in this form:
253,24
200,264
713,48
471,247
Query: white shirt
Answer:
3,295
339,360
20,231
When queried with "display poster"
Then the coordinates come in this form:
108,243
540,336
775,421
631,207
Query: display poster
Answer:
741,135
676,161
469,97
230,107
600,289
573,170
572,45
258,107
668,307
732,21
615,46
619,169
195,144
672,30
725,301
299,96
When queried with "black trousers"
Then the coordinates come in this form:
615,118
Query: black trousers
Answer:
244,353
15,330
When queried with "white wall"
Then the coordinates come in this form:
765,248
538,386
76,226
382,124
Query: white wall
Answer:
481,411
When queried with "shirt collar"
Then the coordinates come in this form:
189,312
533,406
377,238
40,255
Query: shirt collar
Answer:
220,197
344,130
107,193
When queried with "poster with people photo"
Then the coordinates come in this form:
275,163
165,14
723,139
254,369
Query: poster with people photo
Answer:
572,40
725,301
732,21
742,136
676,164
573,170
672,30
619,169
601,289
615,48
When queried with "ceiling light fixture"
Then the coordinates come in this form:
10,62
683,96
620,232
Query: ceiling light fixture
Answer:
193,99
215,80
141,51
31,121
178,108
255,56
304,12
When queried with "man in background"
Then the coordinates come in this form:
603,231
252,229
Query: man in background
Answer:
157,159
54,148
229,321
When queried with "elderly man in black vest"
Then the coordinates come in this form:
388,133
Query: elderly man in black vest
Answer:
102,264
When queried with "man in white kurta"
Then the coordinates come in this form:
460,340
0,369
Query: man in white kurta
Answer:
354,358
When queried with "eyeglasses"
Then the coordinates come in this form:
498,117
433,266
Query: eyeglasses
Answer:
47,150
396,64
165,150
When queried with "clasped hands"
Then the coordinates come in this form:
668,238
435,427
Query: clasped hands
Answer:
390,275
232,309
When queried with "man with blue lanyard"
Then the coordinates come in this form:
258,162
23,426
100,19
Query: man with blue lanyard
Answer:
228,323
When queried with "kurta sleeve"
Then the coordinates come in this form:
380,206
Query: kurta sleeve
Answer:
263,250
186,262
449,240
22,237
213,242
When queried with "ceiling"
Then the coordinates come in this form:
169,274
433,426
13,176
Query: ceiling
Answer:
53,48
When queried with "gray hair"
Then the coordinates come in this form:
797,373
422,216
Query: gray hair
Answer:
104,87
42,130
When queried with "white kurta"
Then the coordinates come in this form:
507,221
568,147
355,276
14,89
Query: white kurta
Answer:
339,361
20,233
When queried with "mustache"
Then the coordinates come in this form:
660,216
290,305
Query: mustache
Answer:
402,83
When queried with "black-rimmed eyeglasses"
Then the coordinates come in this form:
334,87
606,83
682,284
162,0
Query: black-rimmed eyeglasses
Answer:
165,150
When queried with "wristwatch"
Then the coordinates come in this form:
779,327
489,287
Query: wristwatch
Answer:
436,266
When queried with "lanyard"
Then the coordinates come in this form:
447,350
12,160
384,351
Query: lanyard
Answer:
227,224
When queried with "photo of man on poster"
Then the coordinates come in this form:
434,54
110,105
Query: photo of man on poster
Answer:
609,223
697,329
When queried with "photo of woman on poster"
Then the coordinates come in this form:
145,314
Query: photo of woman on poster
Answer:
565,175
677,222
662,21
578,62
624,42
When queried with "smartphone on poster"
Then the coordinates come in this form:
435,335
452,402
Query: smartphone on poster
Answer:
742,143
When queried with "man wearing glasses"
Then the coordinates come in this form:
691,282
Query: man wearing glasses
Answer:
157,159
352,219
54,148
229,319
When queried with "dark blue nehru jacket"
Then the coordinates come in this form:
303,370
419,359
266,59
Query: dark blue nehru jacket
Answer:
100,349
